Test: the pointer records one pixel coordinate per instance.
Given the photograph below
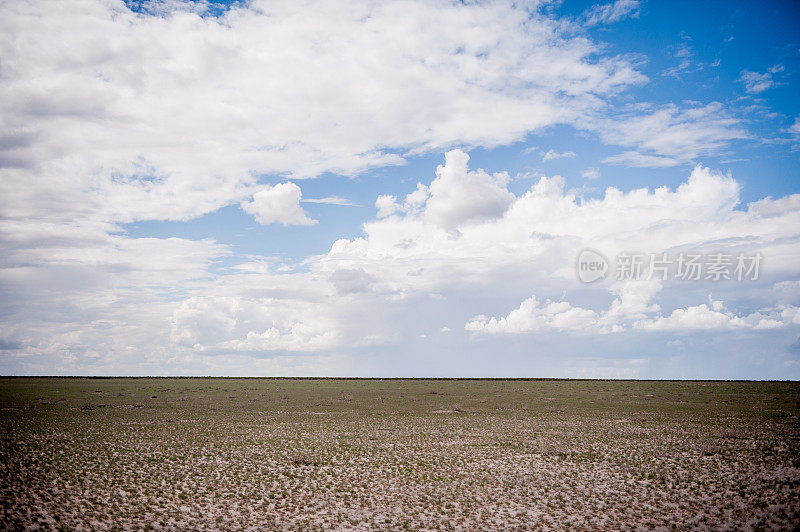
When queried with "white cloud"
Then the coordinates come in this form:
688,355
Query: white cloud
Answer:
552,154
590,173
634,300
250,321
531,316
756,82
641,160
546,225
372,294
538,236
173,115
111,117
668,135
560,316
613,12
684,53
297,337
458,196
331,200
710,317
386,205
774,207
794,129
278,204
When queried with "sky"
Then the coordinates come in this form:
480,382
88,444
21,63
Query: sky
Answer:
400,188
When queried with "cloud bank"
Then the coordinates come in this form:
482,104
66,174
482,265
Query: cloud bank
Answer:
112,117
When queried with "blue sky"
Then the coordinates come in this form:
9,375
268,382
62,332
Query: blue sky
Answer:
397,188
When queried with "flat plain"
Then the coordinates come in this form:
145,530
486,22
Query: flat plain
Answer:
209,453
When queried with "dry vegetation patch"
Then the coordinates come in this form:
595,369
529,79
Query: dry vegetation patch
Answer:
368,454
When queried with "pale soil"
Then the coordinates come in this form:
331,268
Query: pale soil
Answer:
467,455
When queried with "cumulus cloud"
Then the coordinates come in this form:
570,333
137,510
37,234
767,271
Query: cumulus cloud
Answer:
412,271
278,204
386,205
170,114
297,337
710,317
250,322
113,117
459,196
531,316
561,316
542,230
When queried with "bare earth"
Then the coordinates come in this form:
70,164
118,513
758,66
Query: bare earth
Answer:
393,454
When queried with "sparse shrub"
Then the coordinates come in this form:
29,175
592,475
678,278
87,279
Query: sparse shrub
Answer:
303,460
710,451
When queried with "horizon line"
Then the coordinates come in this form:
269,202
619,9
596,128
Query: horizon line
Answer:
596,379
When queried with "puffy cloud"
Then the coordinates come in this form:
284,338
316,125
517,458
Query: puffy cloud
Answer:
410,273
278,204
634,300
112,116
298,337
536,239
386,205
167,114
531,316
252,322
775,207
458,196
756,83
547,225
710,317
